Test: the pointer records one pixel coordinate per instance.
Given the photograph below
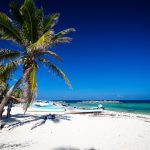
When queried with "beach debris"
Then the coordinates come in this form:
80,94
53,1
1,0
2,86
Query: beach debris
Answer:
13,146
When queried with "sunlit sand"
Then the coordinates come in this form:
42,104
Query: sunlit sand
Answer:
103,131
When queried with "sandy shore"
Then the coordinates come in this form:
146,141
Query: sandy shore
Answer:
104,131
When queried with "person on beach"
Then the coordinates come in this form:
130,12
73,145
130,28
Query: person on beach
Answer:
2,113
9,106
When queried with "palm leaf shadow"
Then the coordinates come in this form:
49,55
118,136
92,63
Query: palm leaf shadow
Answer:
53,117
41,120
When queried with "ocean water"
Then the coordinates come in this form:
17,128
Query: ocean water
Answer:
141,107
48,107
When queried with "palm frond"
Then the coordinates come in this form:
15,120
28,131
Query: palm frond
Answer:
27,11
19,21
62,33
24,36
50,21
51,53
8,69
6,54
43,42
14,8
2,86
48,38
7,29
39,17
55,70
33,21
62,40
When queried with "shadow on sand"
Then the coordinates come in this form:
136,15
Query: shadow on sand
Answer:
14,121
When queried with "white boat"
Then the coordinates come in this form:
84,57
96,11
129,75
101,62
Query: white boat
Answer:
100,106
30,109
41,104
81,111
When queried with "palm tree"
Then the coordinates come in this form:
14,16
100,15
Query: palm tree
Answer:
35,33
5,76
3,84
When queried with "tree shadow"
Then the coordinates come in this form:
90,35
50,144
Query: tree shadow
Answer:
53,117
15,121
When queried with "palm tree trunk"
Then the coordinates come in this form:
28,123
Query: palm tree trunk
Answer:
11,90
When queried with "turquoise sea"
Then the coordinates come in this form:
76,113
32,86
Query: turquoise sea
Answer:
142,107
48,107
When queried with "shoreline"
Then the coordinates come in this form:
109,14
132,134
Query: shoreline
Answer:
127,112
131,110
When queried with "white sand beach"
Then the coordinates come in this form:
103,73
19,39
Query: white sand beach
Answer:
104,131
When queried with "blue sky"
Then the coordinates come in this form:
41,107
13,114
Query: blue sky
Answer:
109,57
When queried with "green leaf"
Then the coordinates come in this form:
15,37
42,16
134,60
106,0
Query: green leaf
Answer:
50,21
39,18
14,8
7,70
6,54
27,10
8,30
43,42
2,86
61,33
62,40
51,53
55,70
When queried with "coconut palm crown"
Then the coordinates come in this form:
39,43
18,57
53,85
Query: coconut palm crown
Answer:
32,30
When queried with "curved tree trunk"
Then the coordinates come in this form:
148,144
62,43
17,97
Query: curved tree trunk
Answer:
20,100
11,90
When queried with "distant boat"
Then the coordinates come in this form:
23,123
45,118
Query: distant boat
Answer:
100,106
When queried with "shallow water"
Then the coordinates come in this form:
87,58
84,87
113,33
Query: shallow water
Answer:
48,107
